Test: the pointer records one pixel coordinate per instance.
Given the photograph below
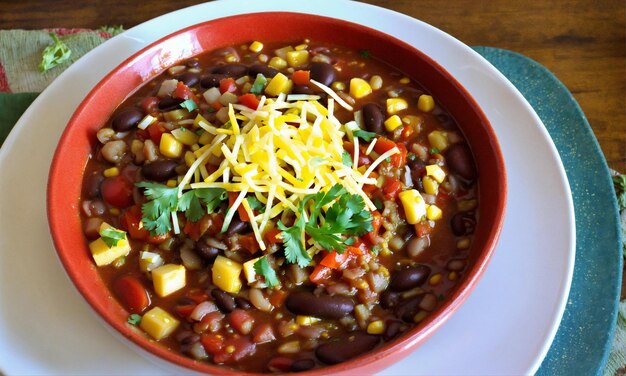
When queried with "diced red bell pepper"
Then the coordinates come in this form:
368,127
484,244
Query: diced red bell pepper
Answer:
423,228
249,243
320,274
241,321
263,333
156,130
183,311
377,221
227,85
132,222
407,132
213,343
391,188
399,160
150,105
272,236
242,345
277,297
383,145
335,260
117,191
301,77
183,92
249,100
131,292
364,159
158,239
243,215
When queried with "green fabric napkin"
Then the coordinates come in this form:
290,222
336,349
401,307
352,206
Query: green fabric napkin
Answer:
12,106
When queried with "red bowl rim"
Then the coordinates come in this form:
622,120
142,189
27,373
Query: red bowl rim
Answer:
369,362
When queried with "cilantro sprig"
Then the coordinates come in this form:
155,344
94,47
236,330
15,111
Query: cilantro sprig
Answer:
55,54
364,135
163,201
111,236
347,216
263,267
134,319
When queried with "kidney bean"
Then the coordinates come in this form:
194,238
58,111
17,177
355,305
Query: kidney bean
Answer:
301,89
206,251
189,78
429,302
373,118
237,226
126,119
211,80
225,302
169,103
392,330
347,347
409,278
323,73
265,70
459,159
92,185
159,170
417,168
462,224
389,299
409,308
243,303
323,306
232,70
301,365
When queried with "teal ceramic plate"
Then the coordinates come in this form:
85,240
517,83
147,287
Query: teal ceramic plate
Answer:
582,343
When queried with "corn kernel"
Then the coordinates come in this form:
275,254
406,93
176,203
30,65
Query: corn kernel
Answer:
438,139
376,327
436,172
359,88
466,205
279,84
189,158
425,103
230,349
433,212
301,47
158,323
114,211
256,46
395,105
110,172
414,206
376,82
185,136
170,146
421,315
405,80
412,120
230,58
452,276
263,58
282,52
435,279
278,63
463,243
291,347
297,58
306,320
430,185
171,183
393,122
338,86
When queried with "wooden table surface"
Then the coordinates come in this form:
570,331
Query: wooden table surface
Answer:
582,42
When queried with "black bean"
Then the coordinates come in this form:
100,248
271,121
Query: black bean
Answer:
126,119
323,73
255,69
159,170
459,159
373,118
224,300
189,78
232,70
92,185
389,299
192,63
243,303
301,365
323,306
409,278
211,80
347,347
417,168
462,224
392,330
409,308
206,251
169,103
237,226
301,89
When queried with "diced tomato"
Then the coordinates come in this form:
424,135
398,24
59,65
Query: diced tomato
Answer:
156,130
213,343
185,310
335,260
399,160
150,105
131,292
197,295
391,188
249,243
249,100
243,347
183,91
272,236
117,191
158,239
216,106
320,274
300,77
377,221
423,228
407,132
213,321
243,215
210,223
215,223
132,222
383,145
241,321
277,297
280,364
227,85
263,333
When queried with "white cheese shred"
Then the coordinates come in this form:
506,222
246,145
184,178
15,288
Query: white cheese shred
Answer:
334,95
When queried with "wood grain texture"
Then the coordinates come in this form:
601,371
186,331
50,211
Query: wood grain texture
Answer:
582,42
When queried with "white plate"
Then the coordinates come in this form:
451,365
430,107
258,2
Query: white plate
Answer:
505,327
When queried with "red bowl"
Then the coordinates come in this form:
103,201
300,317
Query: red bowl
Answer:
75,146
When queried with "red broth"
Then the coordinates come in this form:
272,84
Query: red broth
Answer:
304,285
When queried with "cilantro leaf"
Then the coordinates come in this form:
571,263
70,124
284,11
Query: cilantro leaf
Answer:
255,204
263,267
190,105
112,236
365,135
346,159
365,54
55,54
293,239
134,319
190,204
433,151
259,84
211,197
